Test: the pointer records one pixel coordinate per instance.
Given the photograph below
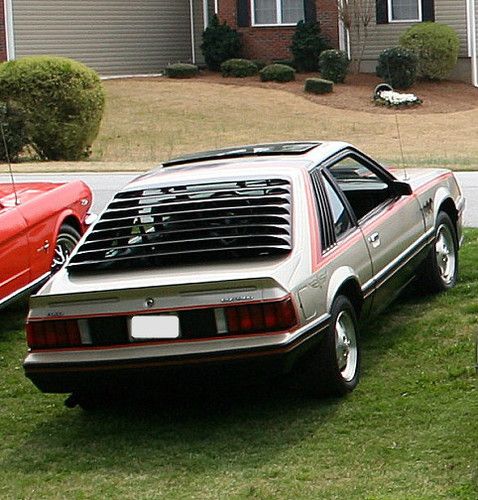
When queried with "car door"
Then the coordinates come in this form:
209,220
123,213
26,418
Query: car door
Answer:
14,262
392,224
41,218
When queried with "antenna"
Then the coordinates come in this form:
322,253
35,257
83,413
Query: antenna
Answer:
8,159
405,178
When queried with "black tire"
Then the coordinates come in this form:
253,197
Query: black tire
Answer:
440,269
66,241
333,368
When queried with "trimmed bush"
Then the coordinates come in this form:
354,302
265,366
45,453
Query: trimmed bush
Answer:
333,65
181,70
238,68
307,44
277,73
318,86
62,101
287,62
14,128
436,46
398,67
220,43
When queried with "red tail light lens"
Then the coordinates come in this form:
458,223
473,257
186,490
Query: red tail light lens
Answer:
256,318
46,334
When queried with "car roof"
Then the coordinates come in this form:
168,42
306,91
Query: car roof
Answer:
254,160
308,150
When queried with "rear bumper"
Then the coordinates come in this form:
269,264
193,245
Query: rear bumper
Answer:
119,368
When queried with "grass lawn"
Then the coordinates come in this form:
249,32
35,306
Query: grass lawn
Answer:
150,120
410,430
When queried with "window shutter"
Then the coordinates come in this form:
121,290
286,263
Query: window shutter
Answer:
310,11
428,10
381,11
243,14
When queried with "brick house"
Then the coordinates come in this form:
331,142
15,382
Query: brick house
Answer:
267,26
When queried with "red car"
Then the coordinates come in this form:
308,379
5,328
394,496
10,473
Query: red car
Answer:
40,223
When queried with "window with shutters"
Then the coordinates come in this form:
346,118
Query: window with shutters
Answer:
404,10
277,12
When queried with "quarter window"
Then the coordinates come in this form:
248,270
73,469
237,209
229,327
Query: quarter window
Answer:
272,12
340,217
363,189
404,10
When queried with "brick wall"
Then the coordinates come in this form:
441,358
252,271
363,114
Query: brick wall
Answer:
3,38
273,42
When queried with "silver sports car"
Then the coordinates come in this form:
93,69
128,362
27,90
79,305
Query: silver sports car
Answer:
253,260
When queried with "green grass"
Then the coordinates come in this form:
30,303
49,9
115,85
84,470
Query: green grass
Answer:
409,431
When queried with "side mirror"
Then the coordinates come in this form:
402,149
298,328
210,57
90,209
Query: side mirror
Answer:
402,188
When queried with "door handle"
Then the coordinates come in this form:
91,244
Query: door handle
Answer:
374,239
44,247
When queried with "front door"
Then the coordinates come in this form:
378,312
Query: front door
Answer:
392,225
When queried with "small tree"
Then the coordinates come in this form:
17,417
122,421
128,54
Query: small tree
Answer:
357,16
307,44
220,43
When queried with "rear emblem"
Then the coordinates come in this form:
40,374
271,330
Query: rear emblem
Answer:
239,298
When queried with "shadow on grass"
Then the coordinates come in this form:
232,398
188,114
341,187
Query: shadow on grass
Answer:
212,430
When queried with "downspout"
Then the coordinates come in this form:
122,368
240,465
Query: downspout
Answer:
344,35
9,42
472,48
193,41
216,8
205,13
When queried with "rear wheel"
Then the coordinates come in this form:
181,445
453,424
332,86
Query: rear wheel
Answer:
67,239
333,368
440,269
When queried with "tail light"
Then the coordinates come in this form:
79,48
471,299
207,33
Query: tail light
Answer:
256,318
47,334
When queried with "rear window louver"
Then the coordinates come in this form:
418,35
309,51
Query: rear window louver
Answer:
193,223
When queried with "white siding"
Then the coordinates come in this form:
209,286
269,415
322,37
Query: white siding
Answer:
384,36
115,37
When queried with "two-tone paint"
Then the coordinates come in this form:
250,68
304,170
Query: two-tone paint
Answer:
367,268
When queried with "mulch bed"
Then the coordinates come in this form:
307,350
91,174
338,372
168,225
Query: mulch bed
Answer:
356,93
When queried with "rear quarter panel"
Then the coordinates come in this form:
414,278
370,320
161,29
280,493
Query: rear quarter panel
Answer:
44,215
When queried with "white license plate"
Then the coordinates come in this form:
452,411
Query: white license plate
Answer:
154,327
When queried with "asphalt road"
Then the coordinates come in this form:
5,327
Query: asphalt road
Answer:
105,185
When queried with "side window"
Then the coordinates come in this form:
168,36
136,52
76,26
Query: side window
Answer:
340,217
363,189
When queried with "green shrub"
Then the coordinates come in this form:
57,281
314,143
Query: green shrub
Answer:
318,86
307,44
287,62
277,73
220,43
14,131
62,100
436,46
333,65
398,67
181,70
239,68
